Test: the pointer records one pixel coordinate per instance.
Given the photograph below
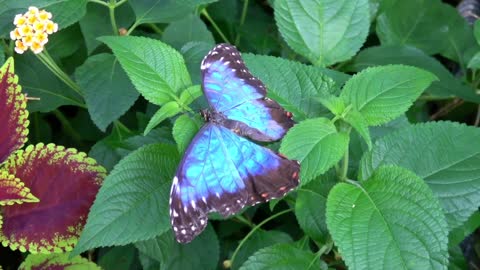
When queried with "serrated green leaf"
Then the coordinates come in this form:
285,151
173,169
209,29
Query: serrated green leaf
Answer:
118,258
103,81
310,211
96,23
193,52
390,221
334,104
316,144
292,84
381,94
443,154
416,23
138,187
447,86
201,253
184,130
164,11
157,70
475,61
356,120
167,110
188,29
260,239
190,94
325,32
282,257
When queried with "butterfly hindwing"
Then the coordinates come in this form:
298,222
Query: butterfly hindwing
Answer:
222,172
232,90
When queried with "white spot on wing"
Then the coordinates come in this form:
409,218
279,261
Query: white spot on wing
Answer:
193,204
193,228
183,231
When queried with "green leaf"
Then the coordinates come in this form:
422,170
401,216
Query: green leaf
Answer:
325,32
184,130
188,29
310,207
67,12
381,94
282,257
96,23
193,52
260,239
334,104
356,120
103,81
475,61
138,187
64,42
167,110
57,261
38,81
157,71
118,258
164,11
291,84
459,234
416,23
190,94
443,154
201,253
390,221
316,144
447,86
476,31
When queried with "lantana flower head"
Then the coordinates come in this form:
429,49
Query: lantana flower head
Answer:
32,29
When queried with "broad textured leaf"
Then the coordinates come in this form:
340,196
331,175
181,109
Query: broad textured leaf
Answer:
13,115
96,23
66,182
164,11
390,221
381,97
64,43
38,81
58,262
447,86
475,61
418,23
291,84
201,253
184,130
108,91
358,122
444,154
67,12
169,109
316,144
190,94
12,190
193,52
119,258
137,188
188,29
282,257
157,70
459,234
325,32
260,239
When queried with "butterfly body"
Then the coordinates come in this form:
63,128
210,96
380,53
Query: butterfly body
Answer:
221,170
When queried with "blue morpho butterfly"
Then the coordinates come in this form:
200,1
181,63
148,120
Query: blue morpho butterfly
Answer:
222,171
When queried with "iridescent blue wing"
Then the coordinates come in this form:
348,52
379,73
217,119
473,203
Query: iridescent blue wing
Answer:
232,90
222,172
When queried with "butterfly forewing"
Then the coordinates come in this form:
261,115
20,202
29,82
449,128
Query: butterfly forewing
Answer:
232,90
222,172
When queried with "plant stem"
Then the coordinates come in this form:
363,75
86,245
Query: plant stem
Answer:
45,58
113,22
342,171
242,20
135,24
245,221
255,229
205,13
67,127
155,28
121,2
99,2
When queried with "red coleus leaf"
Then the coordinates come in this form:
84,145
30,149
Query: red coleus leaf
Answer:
66,182
56,262
13,115
12,190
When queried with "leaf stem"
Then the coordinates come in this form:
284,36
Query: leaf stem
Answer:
219,31
113,22
130,30
245,221
242,21
155,28
47,60
99,2
255,229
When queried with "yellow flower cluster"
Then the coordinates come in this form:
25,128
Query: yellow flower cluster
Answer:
32,30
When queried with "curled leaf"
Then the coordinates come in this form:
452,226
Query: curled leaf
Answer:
12,190
66,182
13,115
